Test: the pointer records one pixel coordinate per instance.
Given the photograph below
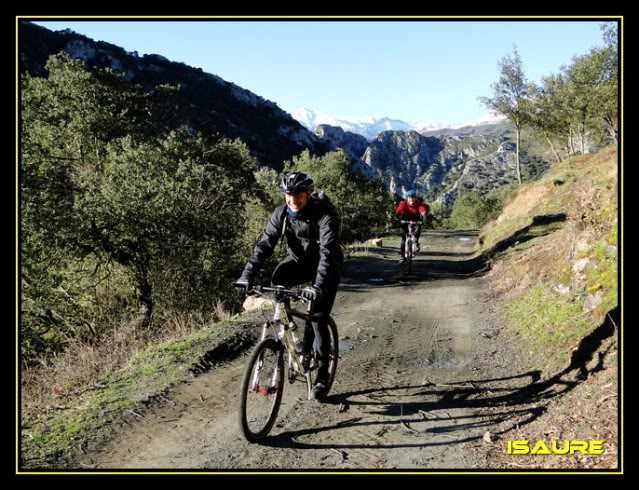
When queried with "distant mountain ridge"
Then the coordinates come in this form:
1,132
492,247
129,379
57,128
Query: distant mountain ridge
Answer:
370,127
440,162
272,135
440,167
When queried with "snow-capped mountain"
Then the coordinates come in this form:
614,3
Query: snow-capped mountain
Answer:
370,127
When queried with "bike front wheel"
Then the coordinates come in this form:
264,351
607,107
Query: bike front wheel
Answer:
409,255
262,389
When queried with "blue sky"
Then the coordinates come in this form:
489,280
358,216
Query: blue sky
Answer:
430,71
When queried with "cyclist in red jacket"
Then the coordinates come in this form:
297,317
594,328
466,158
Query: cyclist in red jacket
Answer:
410,209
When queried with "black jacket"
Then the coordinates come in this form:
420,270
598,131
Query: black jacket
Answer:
312,239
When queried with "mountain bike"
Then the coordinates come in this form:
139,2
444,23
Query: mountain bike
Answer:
280,349
410,249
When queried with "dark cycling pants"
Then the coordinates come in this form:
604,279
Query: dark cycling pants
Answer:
290,273
402,245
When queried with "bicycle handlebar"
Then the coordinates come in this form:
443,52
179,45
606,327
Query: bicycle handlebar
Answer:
282,293
277,289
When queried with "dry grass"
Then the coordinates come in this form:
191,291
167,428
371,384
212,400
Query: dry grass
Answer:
542,273
588,412
220,312
585,188
357,249
543,260
53,384
587,195
527,201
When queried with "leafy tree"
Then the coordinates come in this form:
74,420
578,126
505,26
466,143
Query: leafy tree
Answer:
549,115
473,210
440,216
610,33
596,80
511,96
257,211
115,196
364,205
590,92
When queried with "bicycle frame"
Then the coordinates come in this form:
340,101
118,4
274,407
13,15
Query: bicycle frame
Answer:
279,325
411,240
263,380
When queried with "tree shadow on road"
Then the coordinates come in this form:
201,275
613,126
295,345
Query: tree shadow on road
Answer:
498,405
380,268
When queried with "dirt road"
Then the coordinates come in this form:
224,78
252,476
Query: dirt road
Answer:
422,383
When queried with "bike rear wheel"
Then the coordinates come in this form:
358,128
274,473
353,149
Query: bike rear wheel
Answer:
262,389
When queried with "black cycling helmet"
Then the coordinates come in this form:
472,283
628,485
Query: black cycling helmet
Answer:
296,182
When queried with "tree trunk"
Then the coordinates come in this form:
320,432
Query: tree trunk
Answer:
570,143
518,164
146,299
582,138
552,147
611,125
613,133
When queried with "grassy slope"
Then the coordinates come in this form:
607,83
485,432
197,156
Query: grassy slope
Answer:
147,375
556,289
561,284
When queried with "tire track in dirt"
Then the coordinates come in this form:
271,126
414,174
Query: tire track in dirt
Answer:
390,374
404,349
393,365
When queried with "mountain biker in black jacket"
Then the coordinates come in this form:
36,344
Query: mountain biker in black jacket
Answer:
311,226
